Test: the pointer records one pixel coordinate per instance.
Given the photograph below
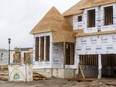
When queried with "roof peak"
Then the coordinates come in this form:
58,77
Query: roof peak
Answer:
52,21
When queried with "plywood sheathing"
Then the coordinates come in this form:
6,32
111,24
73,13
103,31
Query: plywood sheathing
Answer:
101,2
63,36
69,19
97,33
78,8
54,22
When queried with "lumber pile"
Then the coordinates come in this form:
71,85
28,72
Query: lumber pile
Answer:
37,76
4,67
3,77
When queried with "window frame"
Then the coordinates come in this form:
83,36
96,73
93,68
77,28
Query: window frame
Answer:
106,24
88,18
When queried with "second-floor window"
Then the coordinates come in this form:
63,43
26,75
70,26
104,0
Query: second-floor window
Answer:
79,18
108,15
91,18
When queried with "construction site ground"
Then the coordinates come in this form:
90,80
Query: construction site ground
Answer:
54,82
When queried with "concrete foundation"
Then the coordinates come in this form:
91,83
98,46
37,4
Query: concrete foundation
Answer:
58,73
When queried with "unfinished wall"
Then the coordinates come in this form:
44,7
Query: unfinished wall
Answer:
45,62
59,73
100,44
99,19
57,56
85,20
69,19
77,24
108,27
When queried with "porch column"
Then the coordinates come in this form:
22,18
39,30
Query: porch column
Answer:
99,67
39,47
44,48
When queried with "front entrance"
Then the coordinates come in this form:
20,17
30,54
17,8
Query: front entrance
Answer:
69,53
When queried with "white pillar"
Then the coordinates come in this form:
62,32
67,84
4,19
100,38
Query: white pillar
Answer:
39,47
51,47
44,48
77,64
99,67
34,39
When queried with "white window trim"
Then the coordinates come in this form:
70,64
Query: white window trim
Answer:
102,8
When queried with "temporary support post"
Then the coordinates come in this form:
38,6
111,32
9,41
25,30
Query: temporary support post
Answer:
64,49
99,67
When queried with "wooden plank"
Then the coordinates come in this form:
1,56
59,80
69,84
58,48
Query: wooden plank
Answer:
82,73
81,79
97,33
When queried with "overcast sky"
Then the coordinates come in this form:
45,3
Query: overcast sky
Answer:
18,17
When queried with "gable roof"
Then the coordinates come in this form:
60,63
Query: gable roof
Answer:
52,21
78,8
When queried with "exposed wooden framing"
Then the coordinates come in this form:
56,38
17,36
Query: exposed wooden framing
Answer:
109,60
17,57
108,16
72,54
42,49
27,58
91,18
97,33
47,47
39,47
88,60
36,48
64,50
67,54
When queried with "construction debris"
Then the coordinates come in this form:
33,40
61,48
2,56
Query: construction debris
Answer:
81,79
3,79
37,76
4,67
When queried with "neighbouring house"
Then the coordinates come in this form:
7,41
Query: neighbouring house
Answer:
4,56
83,37
23,56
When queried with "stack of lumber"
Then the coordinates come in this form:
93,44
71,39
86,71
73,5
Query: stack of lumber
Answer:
3,77
4,67
4,73
37,76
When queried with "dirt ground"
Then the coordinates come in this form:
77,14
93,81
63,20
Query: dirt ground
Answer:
60,83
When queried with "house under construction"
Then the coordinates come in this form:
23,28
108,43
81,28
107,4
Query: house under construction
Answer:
83,37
